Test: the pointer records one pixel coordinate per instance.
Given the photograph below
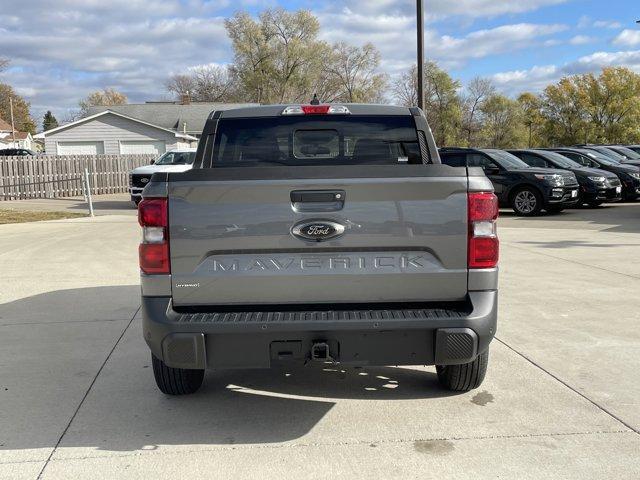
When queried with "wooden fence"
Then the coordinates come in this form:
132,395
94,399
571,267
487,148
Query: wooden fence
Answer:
52,176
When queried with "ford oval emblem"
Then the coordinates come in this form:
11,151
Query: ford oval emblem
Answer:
144,180
317,231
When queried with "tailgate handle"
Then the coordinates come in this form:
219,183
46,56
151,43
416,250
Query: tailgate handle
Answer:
317,200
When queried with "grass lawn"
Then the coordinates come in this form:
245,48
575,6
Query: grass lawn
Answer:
22,216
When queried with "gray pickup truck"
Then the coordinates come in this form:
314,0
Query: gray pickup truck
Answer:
318,233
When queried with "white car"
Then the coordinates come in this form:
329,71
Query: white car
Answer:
179,160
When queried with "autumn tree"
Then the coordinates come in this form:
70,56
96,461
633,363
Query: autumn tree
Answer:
564,111
21,116
278,56
502,125
105,97
612,105
530,106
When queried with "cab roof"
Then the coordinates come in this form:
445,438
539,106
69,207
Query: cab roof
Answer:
276,110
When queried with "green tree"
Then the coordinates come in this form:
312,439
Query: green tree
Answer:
105,97
502,123
277,57
612,105
21,116
531,105
564,109
49,121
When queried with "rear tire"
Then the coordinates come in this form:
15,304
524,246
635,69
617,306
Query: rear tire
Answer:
464,377
526,201
176,381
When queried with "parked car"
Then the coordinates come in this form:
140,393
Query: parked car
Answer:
17,152
596,186
635,148
629,175
178,160
606,151
323,233
631,157
525,189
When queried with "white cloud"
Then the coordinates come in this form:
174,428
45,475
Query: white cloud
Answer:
581,40
394,35
628,38
607,24
78,46
538,77
435,9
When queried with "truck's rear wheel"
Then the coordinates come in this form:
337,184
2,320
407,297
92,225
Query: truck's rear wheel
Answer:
464,377
176,381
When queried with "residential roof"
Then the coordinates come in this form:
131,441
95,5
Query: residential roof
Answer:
169,115
19,136
4,126
110,112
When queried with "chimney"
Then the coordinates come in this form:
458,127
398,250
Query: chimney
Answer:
185,98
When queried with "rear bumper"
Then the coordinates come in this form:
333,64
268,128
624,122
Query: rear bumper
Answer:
418,336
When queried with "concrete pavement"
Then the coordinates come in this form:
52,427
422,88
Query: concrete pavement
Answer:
560,399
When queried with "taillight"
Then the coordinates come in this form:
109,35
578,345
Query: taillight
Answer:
483,238
154,249
316,110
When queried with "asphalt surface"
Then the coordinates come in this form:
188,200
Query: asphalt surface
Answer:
561,398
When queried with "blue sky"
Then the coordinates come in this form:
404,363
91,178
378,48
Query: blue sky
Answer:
61,51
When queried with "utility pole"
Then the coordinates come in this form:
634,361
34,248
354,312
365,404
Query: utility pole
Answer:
13,127
420,32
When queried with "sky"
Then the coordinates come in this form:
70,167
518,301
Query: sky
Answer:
61,51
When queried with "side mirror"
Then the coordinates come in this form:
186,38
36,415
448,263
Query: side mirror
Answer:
152,162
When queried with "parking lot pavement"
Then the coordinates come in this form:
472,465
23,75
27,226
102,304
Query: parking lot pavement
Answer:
111,204
560,399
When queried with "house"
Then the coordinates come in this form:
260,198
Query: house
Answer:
21,140
147,128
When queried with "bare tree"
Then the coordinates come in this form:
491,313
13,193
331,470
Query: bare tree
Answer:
353,72
4,63
405,88
206,83
477,92
180,85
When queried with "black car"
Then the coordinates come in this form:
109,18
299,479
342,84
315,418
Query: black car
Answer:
629,175
635,148
611,153
596,186
631,157
525,189
16,152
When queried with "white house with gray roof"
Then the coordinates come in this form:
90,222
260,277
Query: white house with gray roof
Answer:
148,128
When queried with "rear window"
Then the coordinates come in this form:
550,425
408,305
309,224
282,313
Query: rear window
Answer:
316,140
